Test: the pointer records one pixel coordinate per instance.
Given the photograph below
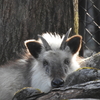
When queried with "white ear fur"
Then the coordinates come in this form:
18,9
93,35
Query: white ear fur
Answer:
34,47
26,41
75,43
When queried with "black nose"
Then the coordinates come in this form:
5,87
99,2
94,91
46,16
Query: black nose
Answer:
56,83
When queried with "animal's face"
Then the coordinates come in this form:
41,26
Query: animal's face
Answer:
56,65
52,66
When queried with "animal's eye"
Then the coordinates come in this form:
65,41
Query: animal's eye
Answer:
45,63
66,61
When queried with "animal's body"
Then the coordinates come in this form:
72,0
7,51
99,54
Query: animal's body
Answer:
49,63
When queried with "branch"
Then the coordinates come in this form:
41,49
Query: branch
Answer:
93,61
85,90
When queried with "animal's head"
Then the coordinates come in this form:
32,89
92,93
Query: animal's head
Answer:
52,64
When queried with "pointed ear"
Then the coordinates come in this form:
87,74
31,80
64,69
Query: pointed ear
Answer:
34,47
75,43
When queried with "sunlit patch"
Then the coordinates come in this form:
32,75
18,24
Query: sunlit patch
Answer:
54,40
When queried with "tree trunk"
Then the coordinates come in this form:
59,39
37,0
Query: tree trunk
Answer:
24,19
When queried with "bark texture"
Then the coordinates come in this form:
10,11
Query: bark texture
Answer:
85,90
24,19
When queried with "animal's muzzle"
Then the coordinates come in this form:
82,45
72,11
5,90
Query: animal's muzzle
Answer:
57,82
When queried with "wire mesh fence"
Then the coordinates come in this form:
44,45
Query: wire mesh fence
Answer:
89,26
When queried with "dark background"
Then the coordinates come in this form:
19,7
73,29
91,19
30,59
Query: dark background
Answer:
25,19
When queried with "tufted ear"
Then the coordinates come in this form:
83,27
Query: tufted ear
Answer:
74,43
34,47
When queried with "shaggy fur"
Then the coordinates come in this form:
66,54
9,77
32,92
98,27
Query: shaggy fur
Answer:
41,67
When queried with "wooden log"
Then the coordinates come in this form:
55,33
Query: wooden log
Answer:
86,90
93,61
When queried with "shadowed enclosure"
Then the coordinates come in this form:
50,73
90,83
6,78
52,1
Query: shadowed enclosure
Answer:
25,19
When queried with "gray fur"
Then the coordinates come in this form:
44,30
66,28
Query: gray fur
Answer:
37,70
13,77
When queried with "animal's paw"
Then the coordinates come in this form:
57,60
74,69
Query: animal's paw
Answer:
27,93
